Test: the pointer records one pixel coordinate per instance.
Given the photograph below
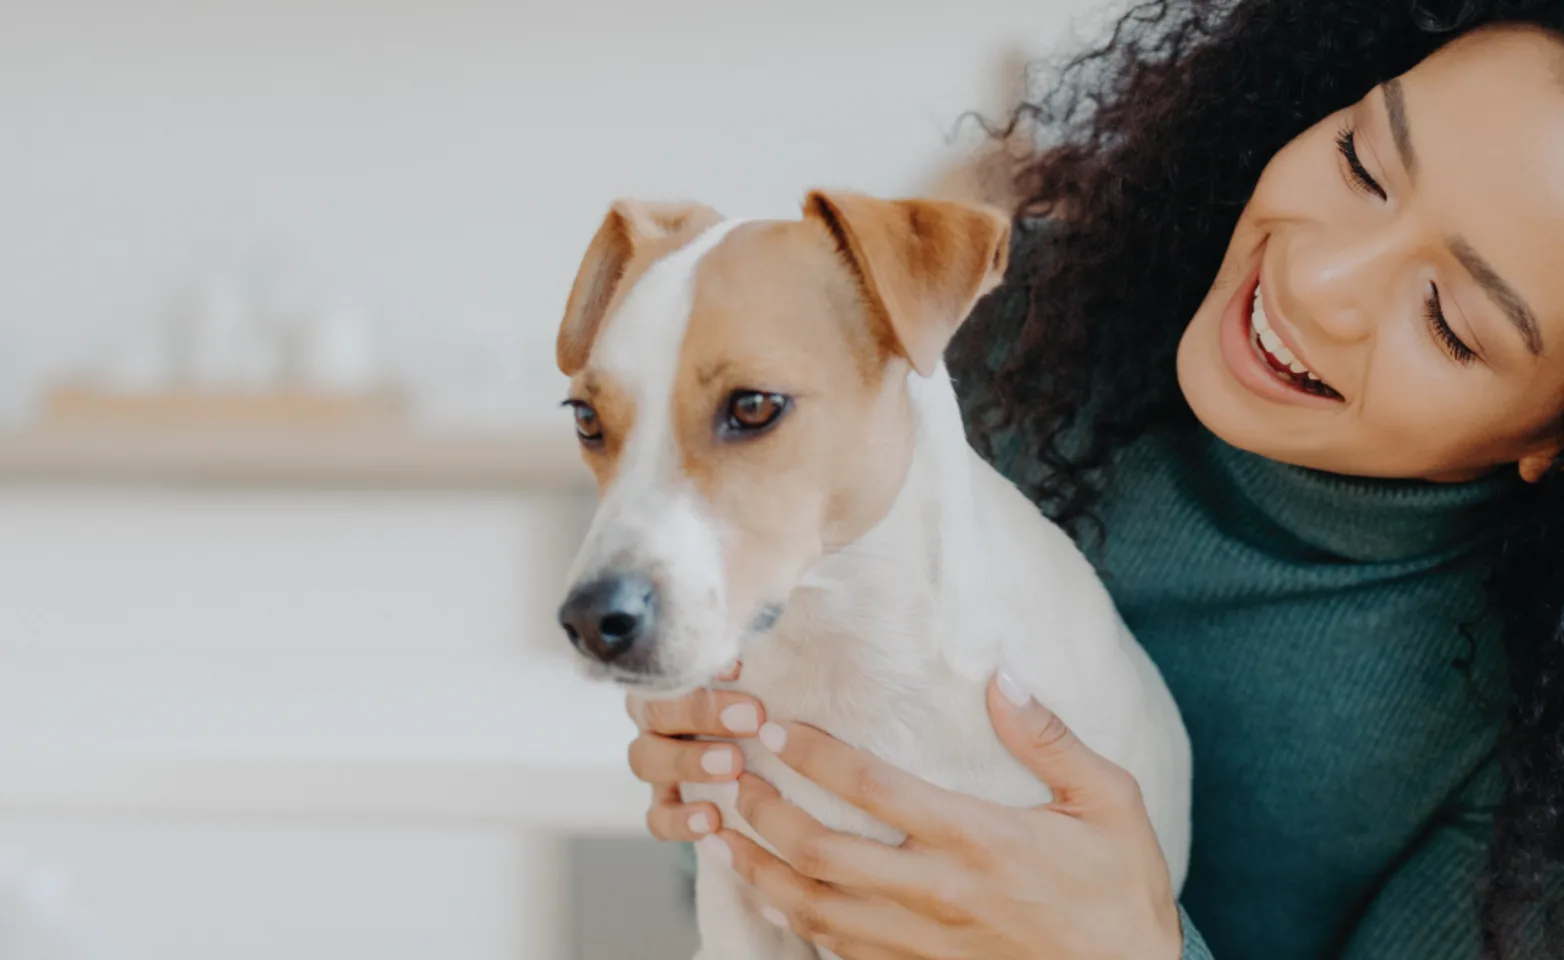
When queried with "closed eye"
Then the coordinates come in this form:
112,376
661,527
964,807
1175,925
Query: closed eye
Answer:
1433,310
1357,173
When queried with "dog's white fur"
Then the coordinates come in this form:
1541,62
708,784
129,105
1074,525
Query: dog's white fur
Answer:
866,650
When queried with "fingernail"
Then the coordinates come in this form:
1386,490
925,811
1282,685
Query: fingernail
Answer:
730,672
741,718
1012,690
716,849
774,737
717,762
774,916
700,823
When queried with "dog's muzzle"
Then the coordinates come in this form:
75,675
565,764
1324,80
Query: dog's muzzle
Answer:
609,617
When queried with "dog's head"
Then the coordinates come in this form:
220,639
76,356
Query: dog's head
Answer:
740,392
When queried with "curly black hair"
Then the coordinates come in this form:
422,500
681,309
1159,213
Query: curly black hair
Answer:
1149,146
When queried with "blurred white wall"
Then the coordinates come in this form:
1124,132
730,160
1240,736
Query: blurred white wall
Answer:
443,162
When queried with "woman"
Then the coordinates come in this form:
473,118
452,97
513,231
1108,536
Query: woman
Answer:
1284,343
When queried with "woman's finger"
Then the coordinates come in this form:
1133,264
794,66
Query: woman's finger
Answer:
670,818
861,865
907,802
656,759
703,713
818,911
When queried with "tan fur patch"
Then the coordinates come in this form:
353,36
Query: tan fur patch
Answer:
633,236
922,263
777,311
616,418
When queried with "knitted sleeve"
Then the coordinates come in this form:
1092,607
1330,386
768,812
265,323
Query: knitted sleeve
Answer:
1194,944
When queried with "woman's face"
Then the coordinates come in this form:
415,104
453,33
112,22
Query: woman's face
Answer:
1392,301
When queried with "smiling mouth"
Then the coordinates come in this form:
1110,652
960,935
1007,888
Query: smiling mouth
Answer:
1282,363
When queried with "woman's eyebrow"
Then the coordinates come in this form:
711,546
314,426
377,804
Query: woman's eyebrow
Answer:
1499,291
1400,130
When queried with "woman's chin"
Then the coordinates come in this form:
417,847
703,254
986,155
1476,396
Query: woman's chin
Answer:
1225,407
1218,403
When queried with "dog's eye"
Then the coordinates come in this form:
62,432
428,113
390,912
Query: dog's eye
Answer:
587,427
751,410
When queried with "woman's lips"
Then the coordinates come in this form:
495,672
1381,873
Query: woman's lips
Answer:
1270,369
1279,354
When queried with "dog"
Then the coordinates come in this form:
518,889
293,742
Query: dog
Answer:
784,476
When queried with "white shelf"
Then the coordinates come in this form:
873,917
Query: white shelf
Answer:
535,457
520,741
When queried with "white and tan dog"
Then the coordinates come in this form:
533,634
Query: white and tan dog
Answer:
784,475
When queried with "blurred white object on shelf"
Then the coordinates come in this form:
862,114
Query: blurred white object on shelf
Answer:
220,342
246,348
339,349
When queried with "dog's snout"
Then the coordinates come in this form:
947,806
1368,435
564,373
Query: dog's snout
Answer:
606,617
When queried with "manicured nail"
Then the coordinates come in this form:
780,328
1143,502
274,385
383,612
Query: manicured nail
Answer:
716,849
731,672
774,916
1012,690
700,823
717,762
741,718
774,737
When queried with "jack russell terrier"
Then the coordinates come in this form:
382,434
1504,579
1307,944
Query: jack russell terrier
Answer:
784,474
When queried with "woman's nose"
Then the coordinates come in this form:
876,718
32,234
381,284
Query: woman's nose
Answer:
1339,281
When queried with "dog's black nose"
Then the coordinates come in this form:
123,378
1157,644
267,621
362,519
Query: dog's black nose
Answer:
604,618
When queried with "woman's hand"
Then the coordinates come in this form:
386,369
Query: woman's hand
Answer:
664,756
1082,877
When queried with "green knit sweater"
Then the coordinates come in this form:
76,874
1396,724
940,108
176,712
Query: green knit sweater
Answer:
1311,630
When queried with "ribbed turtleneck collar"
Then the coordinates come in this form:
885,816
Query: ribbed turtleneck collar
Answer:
1350,518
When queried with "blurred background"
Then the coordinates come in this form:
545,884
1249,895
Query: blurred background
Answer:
285,494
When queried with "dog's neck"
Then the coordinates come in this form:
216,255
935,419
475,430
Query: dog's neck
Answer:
909,581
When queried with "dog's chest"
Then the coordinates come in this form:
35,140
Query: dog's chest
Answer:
917,716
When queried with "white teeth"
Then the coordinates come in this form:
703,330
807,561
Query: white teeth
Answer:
1275,347
1271,343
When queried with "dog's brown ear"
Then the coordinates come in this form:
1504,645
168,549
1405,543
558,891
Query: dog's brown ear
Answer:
631,228
923,264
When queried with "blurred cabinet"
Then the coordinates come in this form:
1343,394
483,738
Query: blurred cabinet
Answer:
293,698
163,887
